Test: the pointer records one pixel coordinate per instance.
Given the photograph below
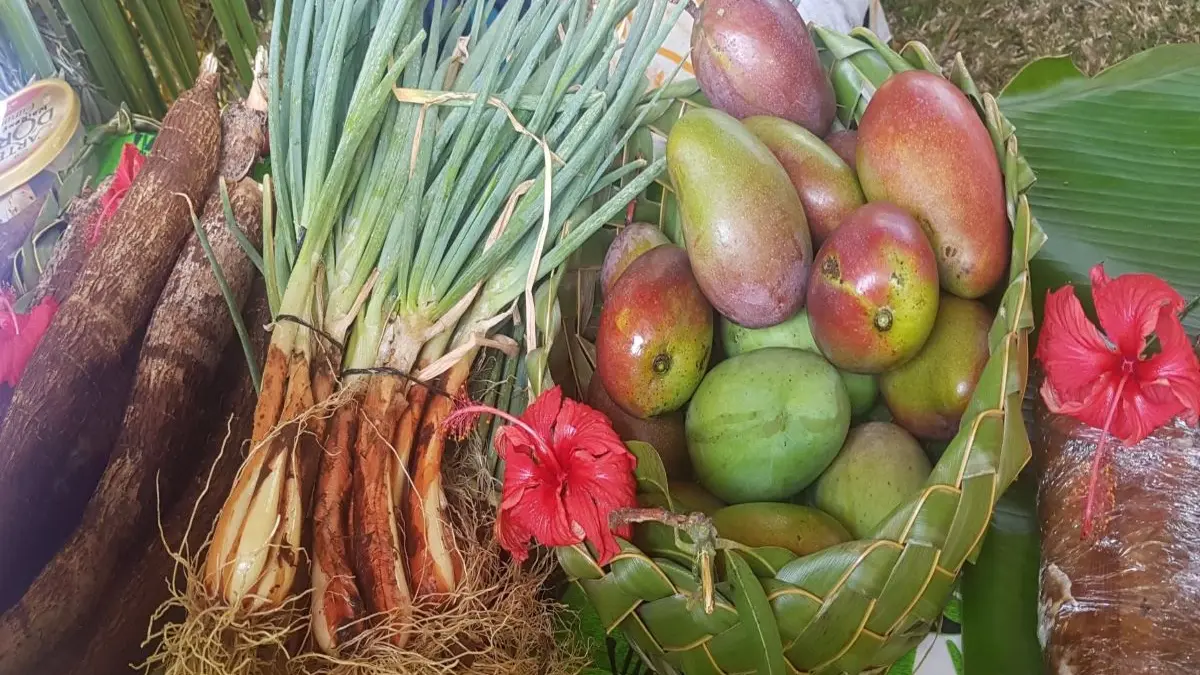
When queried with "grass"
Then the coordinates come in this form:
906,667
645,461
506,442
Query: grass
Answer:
997,37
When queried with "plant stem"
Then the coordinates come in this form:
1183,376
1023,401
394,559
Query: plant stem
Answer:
158,42
130,62
22,31
233,37
96,50
185,46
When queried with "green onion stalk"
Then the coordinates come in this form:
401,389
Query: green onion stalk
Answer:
424,182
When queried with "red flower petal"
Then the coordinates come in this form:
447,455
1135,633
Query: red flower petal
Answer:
1128,307
19,340
1074,354
128,168
543,412
561,486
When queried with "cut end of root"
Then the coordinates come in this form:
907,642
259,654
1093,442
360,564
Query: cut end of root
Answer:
209,65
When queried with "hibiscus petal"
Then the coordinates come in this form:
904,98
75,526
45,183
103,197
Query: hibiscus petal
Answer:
513,537
1128,307
532,499
596,486
542,413
1073,353
582,427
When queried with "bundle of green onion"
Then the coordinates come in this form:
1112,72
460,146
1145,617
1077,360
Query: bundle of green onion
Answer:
425,180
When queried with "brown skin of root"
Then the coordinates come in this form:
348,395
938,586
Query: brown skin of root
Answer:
376,549
179,360
112,635
339,600
434,560
65,415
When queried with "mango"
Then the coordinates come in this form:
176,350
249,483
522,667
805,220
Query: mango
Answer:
743,223
873,297
655,335
880,467
632,241
827,186
800,529
763,425
845,143
664,432
922,146
691,498
929,394
797,334
755,57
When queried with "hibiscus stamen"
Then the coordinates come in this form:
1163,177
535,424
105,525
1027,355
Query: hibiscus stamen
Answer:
473,411
1098,456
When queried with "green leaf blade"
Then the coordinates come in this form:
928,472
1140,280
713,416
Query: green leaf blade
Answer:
1117,158
756,615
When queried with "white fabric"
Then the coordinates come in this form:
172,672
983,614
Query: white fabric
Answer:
840,15
844,15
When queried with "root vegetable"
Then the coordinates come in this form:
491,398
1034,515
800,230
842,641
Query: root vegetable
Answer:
71,251
113,635
179,358
1122,600
56,438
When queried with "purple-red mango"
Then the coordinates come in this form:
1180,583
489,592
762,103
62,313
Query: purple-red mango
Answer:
922,146
845,144
743,222
631,242
826,185
664,433
755,57
656,333
873,297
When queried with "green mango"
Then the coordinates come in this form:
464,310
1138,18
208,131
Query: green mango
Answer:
744,226
800,529
879,467
797,334
763,425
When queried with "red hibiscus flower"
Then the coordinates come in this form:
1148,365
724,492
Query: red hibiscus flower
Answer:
1119,382
565,472
20,334
127,169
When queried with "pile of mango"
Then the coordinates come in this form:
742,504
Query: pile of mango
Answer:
823,327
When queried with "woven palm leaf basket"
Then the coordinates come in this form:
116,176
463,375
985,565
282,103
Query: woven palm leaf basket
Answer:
689,602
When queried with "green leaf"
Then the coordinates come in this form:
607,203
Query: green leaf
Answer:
651,475
756,615
1117,157
956,657
1000,591
905,665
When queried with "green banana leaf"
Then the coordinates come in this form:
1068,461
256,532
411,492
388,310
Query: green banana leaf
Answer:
1000,591
1117,157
